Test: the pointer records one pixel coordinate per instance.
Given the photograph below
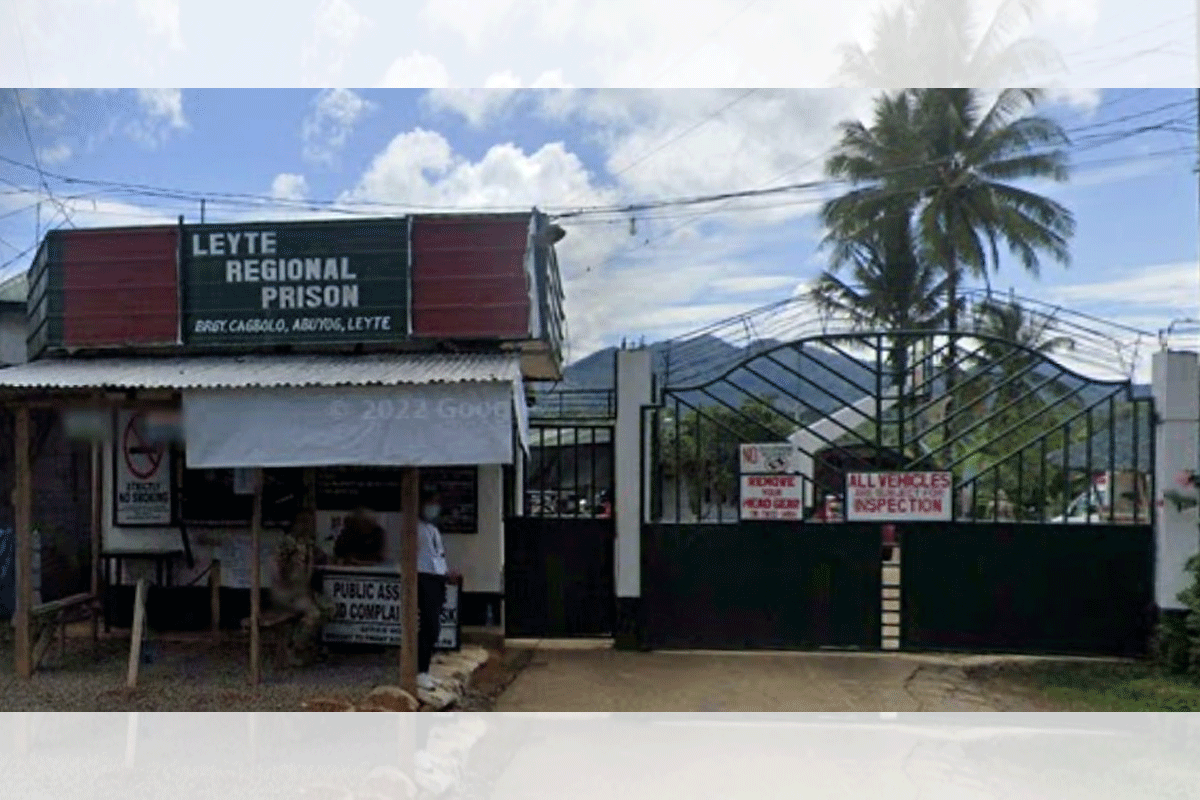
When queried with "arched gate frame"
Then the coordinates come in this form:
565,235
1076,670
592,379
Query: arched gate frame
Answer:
1049,546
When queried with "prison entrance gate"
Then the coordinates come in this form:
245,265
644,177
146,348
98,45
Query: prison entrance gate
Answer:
558,543
1047,543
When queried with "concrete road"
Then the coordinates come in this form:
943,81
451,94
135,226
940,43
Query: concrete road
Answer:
575,679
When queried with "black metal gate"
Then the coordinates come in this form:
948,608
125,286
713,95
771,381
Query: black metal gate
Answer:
761,586
1049,542
1022,588
559,547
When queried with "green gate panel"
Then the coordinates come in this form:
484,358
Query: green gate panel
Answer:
761,586
1025,588
559,577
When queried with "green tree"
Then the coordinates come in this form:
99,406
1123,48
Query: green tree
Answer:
890,288
1008,402
952,163
698,447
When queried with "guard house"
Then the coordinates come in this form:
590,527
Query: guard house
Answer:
327,354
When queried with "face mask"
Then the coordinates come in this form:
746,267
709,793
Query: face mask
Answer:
431,512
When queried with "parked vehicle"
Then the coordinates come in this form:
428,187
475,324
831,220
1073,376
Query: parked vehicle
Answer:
1095,505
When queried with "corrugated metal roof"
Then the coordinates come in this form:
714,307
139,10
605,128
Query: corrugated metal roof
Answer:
14,289
236,372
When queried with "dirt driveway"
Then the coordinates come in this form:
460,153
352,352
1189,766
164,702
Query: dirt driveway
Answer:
578,679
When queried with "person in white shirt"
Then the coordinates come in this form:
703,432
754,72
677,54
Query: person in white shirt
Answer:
432,573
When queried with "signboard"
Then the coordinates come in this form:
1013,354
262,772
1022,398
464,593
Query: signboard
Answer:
142,475
366,607
771,487
775,458
322,282
772,497
899,496
378,489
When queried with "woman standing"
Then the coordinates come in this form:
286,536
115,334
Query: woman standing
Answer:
432,573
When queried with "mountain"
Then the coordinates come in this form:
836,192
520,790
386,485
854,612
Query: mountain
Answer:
708,370
808,381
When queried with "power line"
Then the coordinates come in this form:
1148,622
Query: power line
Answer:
249,200
685,132
33,152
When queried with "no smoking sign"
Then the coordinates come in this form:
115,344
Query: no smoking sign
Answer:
143,475
142,458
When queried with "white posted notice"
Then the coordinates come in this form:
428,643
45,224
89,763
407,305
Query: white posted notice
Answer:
899,496
770,497
775,458
771,488
366,608
142,474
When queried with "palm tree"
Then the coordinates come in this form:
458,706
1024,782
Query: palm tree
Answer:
1006,399
938,154
932,43
891,286
968,202
1009,322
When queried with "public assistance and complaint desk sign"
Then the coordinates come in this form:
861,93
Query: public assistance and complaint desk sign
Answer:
366,607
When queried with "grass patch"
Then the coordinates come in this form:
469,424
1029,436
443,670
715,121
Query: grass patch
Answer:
1107,687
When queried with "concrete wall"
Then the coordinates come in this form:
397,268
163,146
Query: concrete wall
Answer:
1176,387
479,556
12,334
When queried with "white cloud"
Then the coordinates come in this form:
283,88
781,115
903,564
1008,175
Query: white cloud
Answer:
162,17
615,43
471,19
87,212
752,284
1085,100
1159,286
289,186
330,122
160,114
500,95
416,70
614,283
57,154
421,166
336,26
163,104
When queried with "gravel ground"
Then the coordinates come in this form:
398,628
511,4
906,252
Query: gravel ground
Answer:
186,675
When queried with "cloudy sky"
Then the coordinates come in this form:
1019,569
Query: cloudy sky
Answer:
293,152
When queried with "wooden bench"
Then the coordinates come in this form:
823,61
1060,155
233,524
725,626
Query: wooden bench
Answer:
47,617
276,624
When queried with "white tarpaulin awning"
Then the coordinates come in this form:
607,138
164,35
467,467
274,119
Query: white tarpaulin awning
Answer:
419,409
416,424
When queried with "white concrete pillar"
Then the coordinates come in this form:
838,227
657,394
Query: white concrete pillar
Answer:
1176,390
634,390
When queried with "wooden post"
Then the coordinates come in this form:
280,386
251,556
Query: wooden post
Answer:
22,506
214,588
409,500
139,630
255,580
97,538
